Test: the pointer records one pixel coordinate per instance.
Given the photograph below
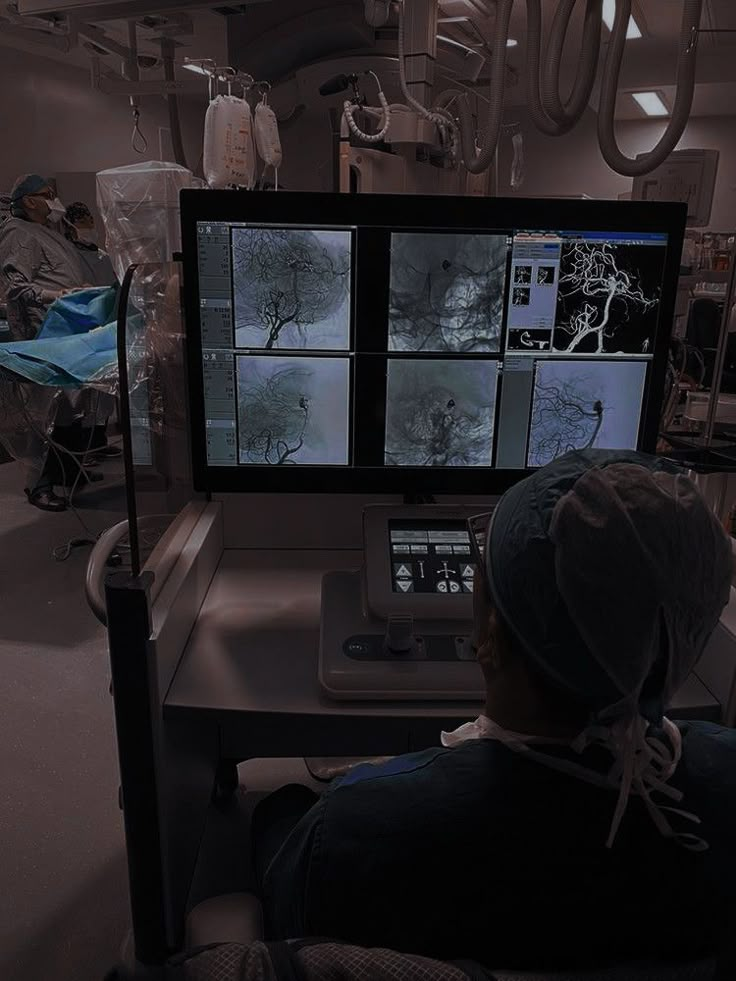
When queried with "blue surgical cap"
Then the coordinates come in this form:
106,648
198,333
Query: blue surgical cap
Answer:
611,572
26,184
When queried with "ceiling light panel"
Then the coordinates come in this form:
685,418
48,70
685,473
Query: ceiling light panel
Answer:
609,14
651,102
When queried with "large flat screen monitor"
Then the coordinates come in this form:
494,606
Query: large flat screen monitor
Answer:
420,345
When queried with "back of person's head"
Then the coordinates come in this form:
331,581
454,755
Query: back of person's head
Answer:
609,573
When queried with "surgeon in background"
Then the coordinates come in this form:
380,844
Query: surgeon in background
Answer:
37,263
79,228
37,266
572,824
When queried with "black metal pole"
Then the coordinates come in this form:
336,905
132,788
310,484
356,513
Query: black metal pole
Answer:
129,630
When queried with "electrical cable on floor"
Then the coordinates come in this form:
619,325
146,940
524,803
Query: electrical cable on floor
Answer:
62,552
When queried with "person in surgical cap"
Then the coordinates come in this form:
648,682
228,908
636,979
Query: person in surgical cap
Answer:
571,824
79,228
37,263
37,266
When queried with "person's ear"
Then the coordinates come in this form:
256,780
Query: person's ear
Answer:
481,611
491,649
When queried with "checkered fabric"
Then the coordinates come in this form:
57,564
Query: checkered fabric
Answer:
327,961
224,962
338,962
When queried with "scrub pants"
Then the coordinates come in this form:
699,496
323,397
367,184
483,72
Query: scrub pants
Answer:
273,820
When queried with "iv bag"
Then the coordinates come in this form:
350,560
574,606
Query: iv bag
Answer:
267,136
228,143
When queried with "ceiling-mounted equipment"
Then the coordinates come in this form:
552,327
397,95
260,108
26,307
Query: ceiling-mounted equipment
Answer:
121,9
686,63
377,12
549,112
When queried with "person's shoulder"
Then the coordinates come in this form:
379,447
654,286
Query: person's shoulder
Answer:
699,731
708,752
412,768
395,767
15,229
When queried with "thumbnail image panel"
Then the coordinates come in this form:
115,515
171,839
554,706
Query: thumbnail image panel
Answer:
529,340
440,413
291,289
293,410
446,292
582,404
608,298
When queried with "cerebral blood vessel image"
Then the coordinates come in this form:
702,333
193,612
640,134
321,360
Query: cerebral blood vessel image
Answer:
291,288
566,416
440,414
274,417
607,298
446,292
585,404
292,410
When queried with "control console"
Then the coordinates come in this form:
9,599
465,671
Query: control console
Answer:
400,627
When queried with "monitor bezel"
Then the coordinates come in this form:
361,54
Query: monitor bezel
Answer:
415,211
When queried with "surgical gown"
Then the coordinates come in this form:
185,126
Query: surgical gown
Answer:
99,270
33,258
476,852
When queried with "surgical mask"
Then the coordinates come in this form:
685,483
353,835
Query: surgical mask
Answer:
88,236
56,210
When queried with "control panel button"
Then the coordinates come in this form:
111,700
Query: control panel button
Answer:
357,647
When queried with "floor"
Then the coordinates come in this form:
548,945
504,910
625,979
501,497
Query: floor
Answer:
63,901
63,878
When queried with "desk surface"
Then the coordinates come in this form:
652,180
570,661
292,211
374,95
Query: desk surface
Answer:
255,646
256,643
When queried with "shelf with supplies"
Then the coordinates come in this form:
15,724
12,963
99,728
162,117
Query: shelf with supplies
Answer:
715,276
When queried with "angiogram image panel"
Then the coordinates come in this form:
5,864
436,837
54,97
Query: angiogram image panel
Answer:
291,289
582,404
440,413
446,292
608,298
293,410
